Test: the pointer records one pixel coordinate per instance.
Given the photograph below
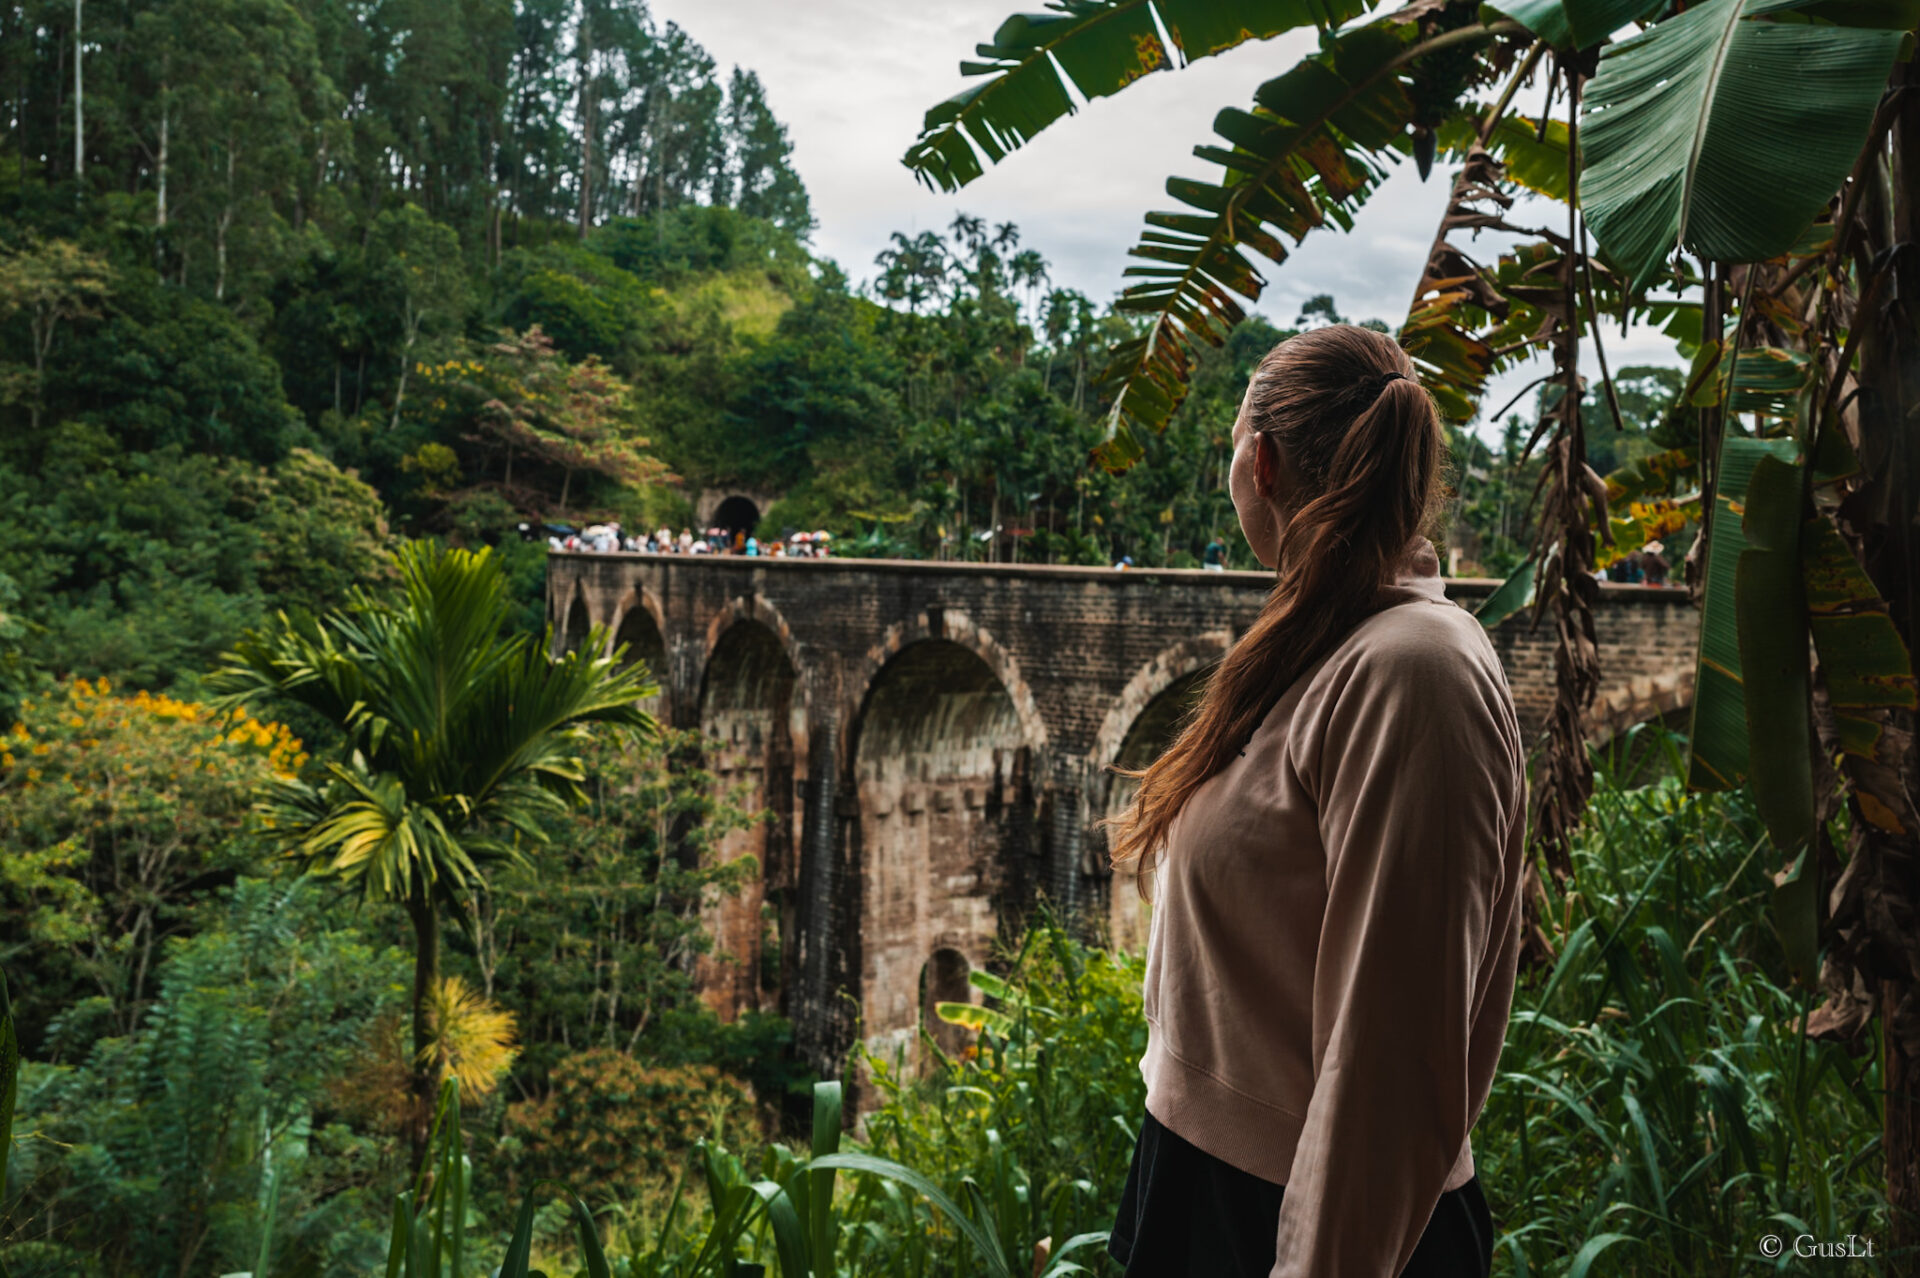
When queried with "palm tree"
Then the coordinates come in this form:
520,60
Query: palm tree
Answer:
1028,270
1761,156
458,739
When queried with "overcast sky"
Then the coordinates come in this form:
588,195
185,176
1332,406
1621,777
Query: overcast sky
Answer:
851,79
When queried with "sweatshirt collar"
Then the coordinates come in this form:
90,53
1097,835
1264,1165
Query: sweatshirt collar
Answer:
1419,573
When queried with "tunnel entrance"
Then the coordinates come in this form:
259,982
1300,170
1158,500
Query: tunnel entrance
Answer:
737,515
746,715
939,844
1152,732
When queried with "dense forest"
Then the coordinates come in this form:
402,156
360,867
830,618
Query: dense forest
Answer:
285,283
281,281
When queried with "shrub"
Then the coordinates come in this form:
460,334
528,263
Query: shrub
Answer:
612,1126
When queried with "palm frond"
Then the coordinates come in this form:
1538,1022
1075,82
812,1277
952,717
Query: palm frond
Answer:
1036,62
462,737
1310,153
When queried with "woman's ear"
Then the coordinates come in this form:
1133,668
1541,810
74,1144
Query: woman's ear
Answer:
1266,465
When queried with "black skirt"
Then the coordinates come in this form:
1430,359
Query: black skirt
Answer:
1186,1214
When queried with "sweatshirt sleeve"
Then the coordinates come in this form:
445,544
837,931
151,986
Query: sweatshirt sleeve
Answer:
1415,765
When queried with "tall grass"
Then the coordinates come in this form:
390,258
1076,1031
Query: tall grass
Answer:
1655,1111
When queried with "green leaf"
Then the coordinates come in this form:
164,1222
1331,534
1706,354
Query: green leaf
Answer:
1309,153
589,1233
1510,596
1590,1252
1101,46
519,1255
1771,617
1575,24
400,1239
973,1016
1862,658
1717,755
992,1262
1768,380
1723,132
826,1140
789,1239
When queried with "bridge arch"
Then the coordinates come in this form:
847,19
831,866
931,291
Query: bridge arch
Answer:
578,623
1153,729
750,714
943,979
940,841
1171,665
948,625
638,623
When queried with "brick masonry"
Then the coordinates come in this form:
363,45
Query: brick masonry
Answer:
933,739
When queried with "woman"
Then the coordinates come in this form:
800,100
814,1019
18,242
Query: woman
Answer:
1334,846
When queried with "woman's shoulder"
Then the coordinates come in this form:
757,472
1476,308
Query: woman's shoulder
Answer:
1420,633
1429,650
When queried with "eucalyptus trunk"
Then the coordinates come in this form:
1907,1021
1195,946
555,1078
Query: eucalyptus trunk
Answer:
79,99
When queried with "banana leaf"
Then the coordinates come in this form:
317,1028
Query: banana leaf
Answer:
1037,61
1306,155
1717,752
1576,24
1864,665
1776,683
1510,596
1654,475
1724,131
822,1235
1768,380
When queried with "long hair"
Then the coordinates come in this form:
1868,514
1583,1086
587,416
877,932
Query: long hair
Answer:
1369,453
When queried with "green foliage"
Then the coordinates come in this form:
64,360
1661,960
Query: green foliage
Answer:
459,740
1680,119
117,815
160,1149
585,302
594,943
165,368
616,1128
145,566
16,675
1654,1084
1102,47
1038,1114
460,737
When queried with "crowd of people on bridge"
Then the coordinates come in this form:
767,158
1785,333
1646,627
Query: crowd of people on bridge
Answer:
610,537
1646,566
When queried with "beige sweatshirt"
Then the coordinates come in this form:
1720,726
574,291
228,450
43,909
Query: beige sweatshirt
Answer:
1335,929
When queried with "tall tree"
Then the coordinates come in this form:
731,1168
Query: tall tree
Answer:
458,741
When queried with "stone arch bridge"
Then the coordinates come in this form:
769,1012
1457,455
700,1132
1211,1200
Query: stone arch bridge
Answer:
933,742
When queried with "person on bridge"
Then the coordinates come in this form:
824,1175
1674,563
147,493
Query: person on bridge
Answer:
1334,848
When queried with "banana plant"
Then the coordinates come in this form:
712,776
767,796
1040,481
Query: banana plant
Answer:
1736,150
